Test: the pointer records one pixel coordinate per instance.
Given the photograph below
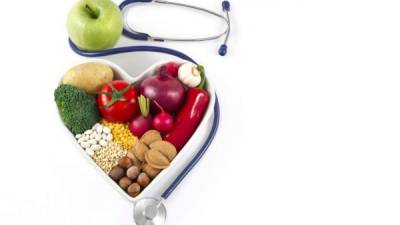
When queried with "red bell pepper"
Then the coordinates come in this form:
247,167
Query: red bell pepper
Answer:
188,118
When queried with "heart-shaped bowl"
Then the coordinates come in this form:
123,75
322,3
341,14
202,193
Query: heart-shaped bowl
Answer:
163,180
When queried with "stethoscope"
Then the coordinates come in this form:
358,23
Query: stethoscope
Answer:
152,211
130,31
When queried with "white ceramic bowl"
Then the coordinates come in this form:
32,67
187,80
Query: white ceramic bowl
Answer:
160,183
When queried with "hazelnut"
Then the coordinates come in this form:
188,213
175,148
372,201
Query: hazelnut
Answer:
134,189
125,182
125,162
133,172
117,173
143,180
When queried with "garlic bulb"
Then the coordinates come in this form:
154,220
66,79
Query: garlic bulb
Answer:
189,74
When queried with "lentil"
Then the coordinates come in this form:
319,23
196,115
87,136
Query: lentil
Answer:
107,157
121,134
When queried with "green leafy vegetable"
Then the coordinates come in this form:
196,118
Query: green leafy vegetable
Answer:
78,109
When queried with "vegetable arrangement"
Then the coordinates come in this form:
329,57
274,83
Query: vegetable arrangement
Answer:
132,130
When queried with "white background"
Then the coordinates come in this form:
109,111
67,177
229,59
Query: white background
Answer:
310,119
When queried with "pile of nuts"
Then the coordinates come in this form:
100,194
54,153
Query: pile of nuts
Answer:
153,151
94,139
129,177
150,155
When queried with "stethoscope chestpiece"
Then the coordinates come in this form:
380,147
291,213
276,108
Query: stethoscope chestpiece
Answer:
149,211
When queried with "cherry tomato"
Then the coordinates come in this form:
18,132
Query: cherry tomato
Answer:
117,101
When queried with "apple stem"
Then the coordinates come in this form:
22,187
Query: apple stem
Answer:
92,12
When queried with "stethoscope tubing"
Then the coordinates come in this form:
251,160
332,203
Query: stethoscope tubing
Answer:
127,49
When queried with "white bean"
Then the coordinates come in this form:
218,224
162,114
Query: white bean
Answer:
99,129
85,144
85,138
109,137
106,130
103,136
92,135
97,137
95,147
88,132
78,136
89,151
92,142
103,143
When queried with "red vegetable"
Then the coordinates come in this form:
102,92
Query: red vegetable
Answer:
172,68
163,121
142,123
117,101
188,118
168,91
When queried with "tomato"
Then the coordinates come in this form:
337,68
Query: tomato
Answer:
118,101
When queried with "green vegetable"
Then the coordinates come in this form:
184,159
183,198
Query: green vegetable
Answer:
200,68
144,105
78,110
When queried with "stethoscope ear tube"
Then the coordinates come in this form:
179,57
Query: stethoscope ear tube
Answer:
130,31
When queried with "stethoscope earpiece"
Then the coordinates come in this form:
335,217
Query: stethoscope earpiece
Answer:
223,49
226,6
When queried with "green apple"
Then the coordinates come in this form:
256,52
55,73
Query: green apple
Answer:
95,24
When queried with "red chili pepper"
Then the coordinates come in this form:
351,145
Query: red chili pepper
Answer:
188,117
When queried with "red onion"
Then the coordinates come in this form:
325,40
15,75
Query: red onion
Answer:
165,89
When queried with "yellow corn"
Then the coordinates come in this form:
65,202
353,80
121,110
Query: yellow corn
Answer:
121,134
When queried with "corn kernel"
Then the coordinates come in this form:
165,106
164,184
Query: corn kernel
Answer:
121,134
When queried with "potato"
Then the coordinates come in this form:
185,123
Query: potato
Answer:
88,77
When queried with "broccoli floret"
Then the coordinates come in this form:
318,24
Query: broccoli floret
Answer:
78,110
